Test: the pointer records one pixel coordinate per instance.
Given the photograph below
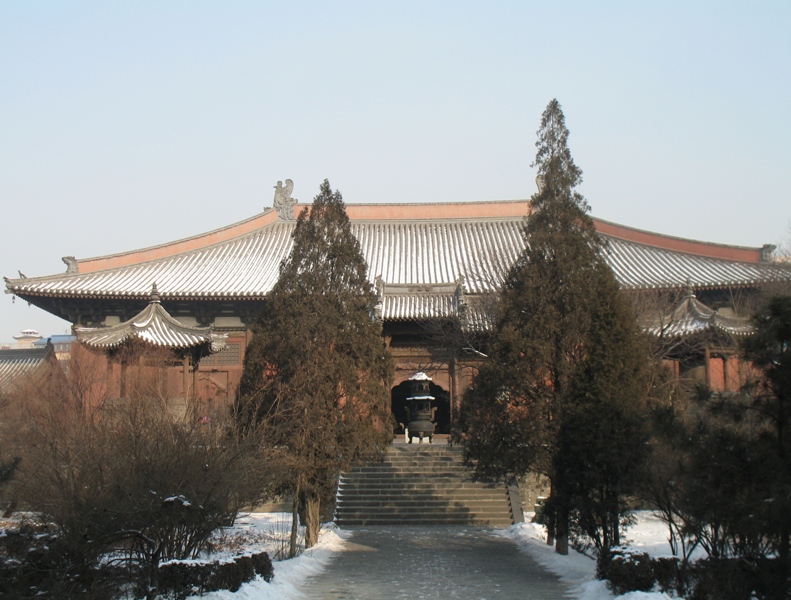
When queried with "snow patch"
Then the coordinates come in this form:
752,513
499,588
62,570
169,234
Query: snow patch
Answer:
578,571
289,574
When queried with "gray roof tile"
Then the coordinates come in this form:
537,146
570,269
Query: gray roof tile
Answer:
428,252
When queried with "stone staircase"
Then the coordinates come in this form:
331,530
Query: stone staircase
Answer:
421,484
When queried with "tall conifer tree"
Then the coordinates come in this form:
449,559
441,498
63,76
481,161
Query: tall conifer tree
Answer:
515,409
317,375
602,439
770,350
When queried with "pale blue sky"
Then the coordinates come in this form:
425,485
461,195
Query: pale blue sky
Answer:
126,124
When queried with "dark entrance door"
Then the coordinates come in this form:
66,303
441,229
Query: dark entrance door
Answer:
398,405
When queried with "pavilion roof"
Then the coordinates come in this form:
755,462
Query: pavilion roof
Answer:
155,326
691,316
416,250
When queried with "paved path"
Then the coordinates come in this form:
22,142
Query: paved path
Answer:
432,562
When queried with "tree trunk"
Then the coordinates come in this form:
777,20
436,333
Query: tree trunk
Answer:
312,519
549,517
551,529
615,523
561,526
292,544
153,575
783,558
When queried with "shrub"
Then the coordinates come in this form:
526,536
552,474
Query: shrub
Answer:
178,580
666,573
34,561
626,571
722,579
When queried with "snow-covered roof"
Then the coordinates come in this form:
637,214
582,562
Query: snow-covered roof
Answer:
155,326
420,376
420,252
690,316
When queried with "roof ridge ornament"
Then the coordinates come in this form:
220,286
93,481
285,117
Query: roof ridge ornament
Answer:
283,202
461,300
71,265
766,252
689,292
378,309
154,293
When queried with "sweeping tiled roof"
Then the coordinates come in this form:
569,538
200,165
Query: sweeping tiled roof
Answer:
18,363
417,247
690,316
155,326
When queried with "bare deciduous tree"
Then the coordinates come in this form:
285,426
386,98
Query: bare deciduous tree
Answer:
127,479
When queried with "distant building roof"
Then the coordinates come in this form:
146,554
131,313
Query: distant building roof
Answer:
17,363
55,339
27,334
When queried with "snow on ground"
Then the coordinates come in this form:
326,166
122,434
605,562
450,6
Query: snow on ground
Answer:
255,532
648,534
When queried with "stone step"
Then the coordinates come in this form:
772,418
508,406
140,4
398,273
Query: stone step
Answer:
430,521
394,479
425,498
426,516
423,467
444,482
406,459
390,474
413,457
461,497
419,492
424,493
420,485
387,503
432,507
440,512
423,474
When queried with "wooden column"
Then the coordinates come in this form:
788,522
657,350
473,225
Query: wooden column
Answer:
122,391
707,365
185,377
726,387
162,381
109,376
195,366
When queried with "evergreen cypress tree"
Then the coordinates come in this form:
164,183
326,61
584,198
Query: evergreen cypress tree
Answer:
602,440
516,407
317,375
770,350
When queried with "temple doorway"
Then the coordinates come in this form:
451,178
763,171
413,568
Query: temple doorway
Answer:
398,405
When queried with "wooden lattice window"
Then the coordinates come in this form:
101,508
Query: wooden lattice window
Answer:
230,355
